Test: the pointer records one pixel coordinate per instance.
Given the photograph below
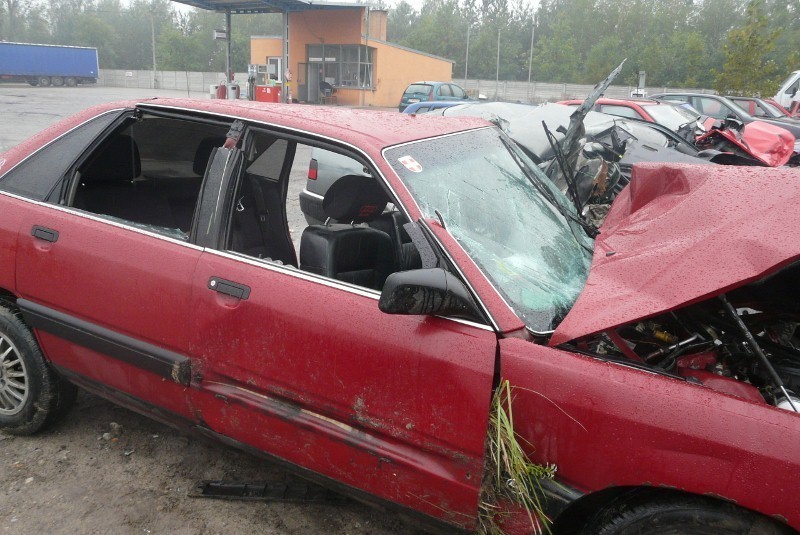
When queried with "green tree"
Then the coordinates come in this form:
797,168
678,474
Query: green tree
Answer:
401,22
745,69
16,12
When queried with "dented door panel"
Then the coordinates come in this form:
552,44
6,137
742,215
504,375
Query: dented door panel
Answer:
311,371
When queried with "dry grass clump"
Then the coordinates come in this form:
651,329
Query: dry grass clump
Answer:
509,475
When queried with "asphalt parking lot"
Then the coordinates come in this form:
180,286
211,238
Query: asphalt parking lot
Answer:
27,110
105,469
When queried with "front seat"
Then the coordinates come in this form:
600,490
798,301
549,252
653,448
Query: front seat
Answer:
345,251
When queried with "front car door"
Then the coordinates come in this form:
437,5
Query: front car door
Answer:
305,367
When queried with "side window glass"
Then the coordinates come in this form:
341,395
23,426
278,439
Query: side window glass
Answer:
320,211
39,175
710,107
726,111
458,92
445,91
148,174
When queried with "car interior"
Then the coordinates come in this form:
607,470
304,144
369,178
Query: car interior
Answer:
149,174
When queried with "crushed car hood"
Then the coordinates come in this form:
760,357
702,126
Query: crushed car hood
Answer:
768,144
680,234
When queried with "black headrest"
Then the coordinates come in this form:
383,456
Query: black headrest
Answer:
119,161
203,153
354,198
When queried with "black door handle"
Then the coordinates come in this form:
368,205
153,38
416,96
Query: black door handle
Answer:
43,233
234,289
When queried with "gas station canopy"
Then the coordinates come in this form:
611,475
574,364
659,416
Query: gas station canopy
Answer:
265,6
241,7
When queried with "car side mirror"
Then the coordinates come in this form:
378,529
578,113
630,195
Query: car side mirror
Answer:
431,291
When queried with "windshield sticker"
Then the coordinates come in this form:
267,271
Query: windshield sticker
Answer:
411,164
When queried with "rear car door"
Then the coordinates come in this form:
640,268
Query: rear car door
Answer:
306,367
104,269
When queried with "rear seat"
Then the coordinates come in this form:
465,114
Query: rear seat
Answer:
109,187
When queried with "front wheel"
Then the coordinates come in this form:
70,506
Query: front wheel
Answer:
32,395
685,515
70,81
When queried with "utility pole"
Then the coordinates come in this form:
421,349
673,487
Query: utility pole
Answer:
466,62
530,59
228,45
497,74
153,37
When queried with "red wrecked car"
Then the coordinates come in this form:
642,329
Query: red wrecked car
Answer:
651,376
740,142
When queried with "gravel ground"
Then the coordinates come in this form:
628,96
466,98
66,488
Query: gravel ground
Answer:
105,469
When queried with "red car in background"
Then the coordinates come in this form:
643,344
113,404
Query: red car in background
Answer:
767,143
653,367
667,114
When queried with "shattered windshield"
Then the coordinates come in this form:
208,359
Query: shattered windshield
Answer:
506,214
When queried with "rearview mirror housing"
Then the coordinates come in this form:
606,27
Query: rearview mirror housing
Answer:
428,292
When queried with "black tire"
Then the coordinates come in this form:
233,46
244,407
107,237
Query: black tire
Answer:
57,81
44,81
32,395
681,515
70,81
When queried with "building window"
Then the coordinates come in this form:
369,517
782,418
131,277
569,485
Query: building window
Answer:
344,65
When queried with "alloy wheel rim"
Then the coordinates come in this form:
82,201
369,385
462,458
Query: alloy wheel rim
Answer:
13,378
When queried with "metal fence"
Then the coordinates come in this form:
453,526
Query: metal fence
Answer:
535,92
178,80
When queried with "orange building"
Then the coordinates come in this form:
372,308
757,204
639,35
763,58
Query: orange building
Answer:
342,56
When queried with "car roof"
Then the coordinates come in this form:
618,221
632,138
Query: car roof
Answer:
688,94
360,127
736,97
612,101
432,82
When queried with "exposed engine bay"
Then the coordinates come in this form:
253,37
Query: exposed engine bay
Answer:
744,343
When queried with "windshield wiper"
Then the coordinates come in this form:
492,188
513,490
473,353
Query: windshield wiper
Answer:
572,186
549,197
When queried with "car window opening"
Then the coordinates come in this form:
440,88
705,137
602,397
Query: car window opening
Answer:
344,226
149,174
